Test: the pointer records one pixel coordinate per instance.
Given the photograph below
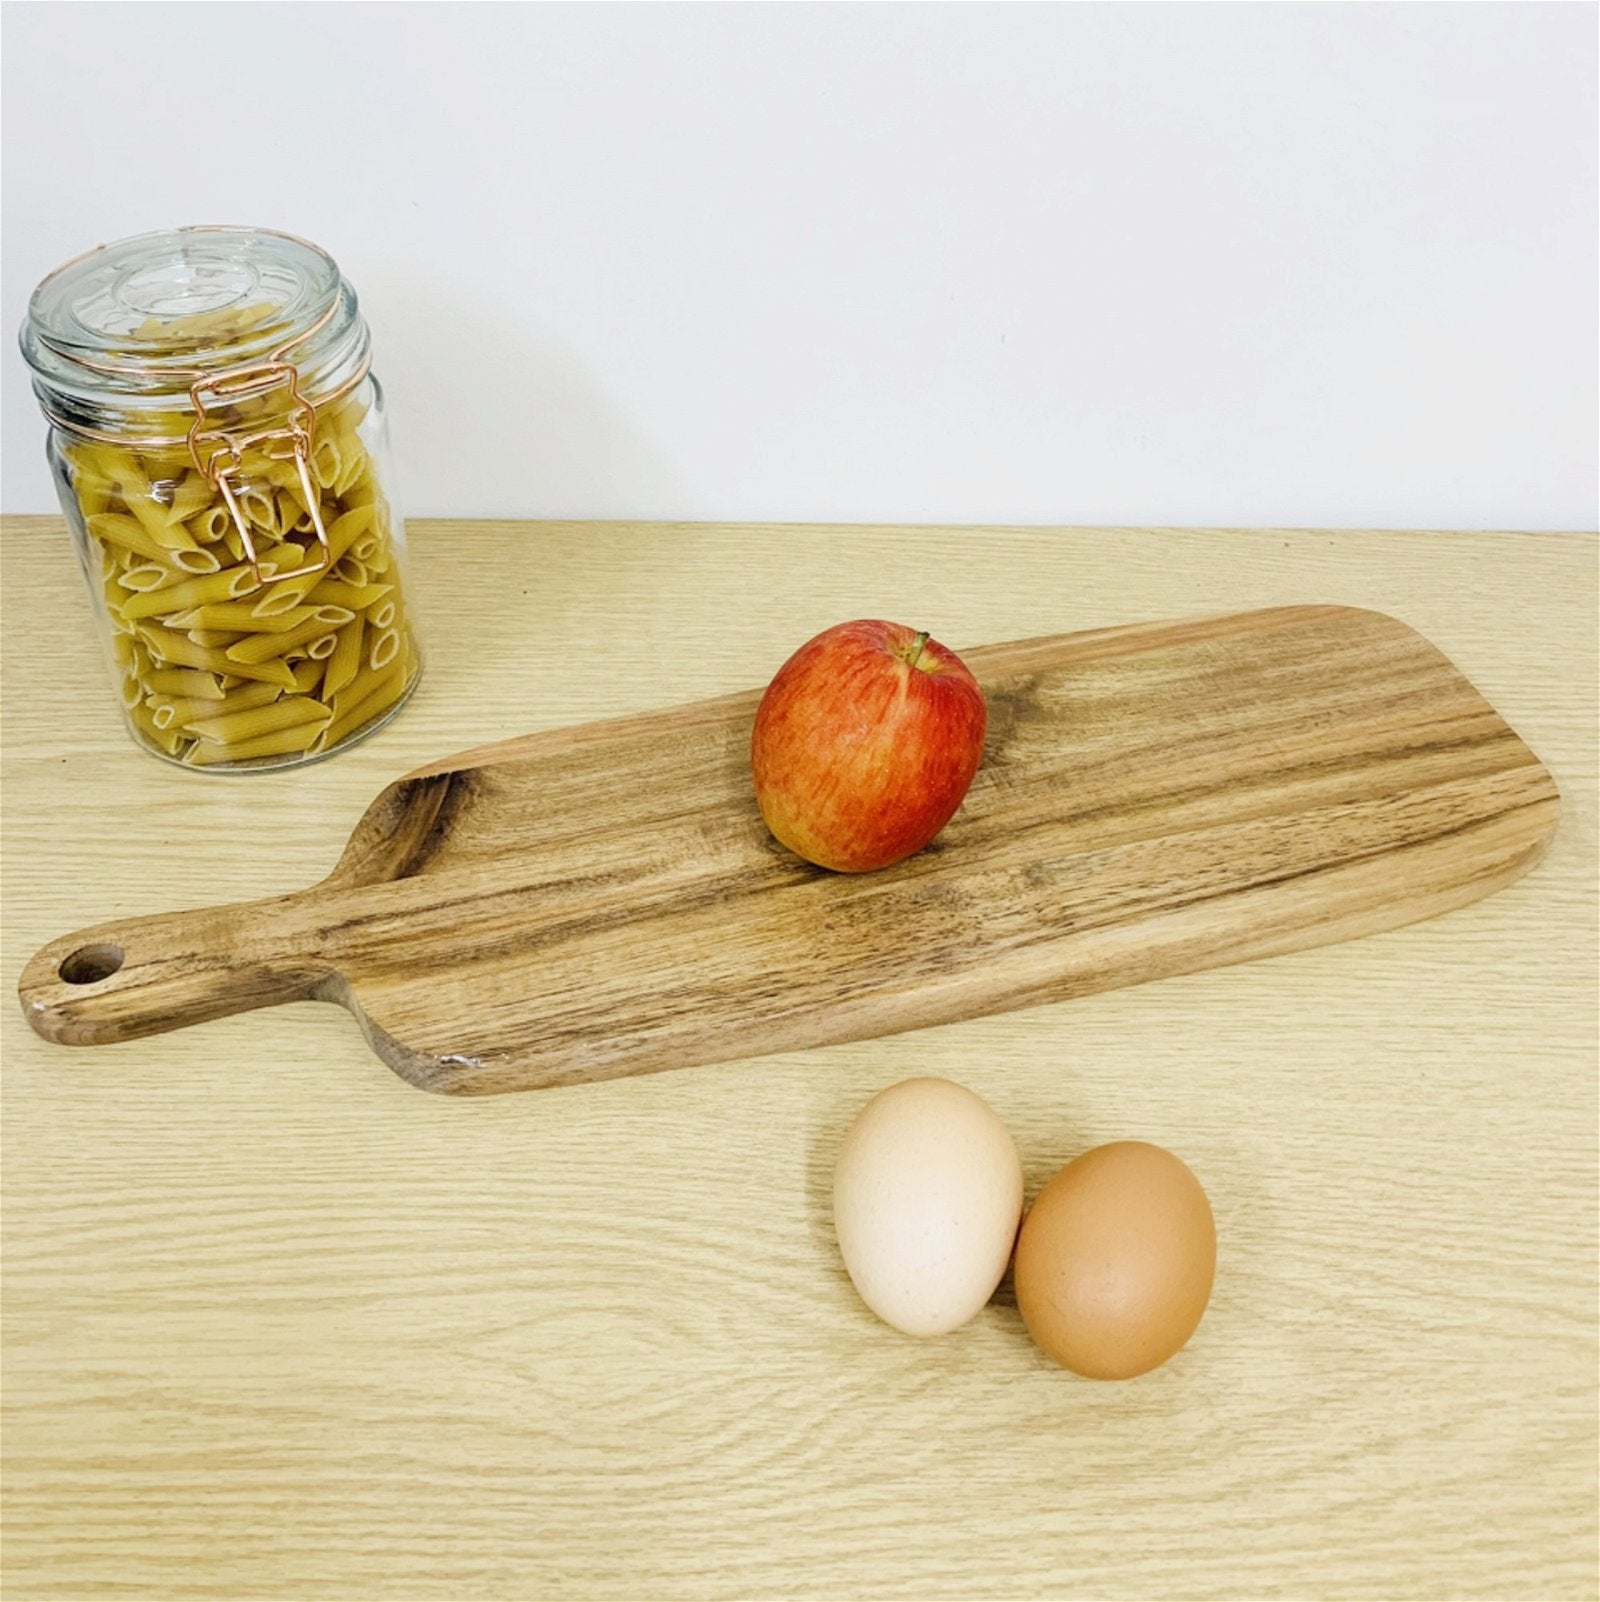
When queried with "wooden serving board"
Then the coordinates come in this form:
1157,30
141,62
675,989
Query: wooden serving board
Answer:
605,900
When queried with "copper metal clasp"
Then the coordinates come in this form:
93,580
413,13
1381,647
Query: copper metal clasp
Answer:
218,452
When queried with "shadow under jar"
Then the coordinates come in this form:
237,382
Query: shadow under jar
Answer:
217,439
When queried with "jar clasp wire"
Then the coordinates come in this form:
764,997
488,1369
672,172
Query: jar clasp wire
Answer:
219,451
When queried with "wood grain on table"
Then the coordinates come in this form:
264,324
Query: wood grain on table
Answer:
277,1325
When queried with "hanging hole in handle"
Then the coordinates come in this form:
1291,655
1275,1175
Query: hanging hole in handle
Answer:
88,965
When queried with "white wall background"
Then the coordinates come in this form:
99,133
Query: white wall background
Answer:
1259,264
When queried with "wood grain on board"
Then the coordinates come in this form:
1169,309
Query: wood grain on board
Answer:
604,900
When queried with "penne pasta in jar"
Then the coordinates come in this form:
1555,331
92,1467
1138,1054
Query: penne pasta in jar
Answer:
235,728
219,449
186,710
308,673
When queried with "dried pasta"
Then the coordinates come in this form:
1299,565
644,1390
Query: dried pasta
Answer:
235,728
241,615
177,598
335,592
345,660
191,496
307,674
212,526
263,647
384,650
147,576
170,648
347,530
190,682
215,665
197,328
118,530
173,741
354,707
185,710
295,741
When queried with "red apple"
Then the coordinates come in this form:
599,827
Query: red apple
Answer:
865,743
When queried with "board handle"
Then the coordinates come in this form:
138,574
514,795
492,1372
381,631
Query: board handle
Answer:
142,976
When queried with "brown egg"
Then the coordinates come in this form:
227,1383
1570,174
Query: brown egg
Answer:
1115,1261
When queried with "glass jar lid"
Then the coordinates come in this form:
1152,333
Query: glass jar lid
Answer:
135,324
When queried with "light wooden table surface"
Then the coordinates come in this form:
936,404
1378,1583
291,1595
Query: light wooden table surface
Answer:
279,1326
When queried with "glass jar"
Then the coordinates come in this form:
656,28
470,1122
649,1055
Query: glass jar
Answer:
218,443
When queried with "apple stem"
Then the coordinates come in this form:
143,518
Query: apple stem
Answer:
915,650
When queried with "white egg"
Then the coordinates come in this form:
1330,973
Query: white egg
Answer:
927,1196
